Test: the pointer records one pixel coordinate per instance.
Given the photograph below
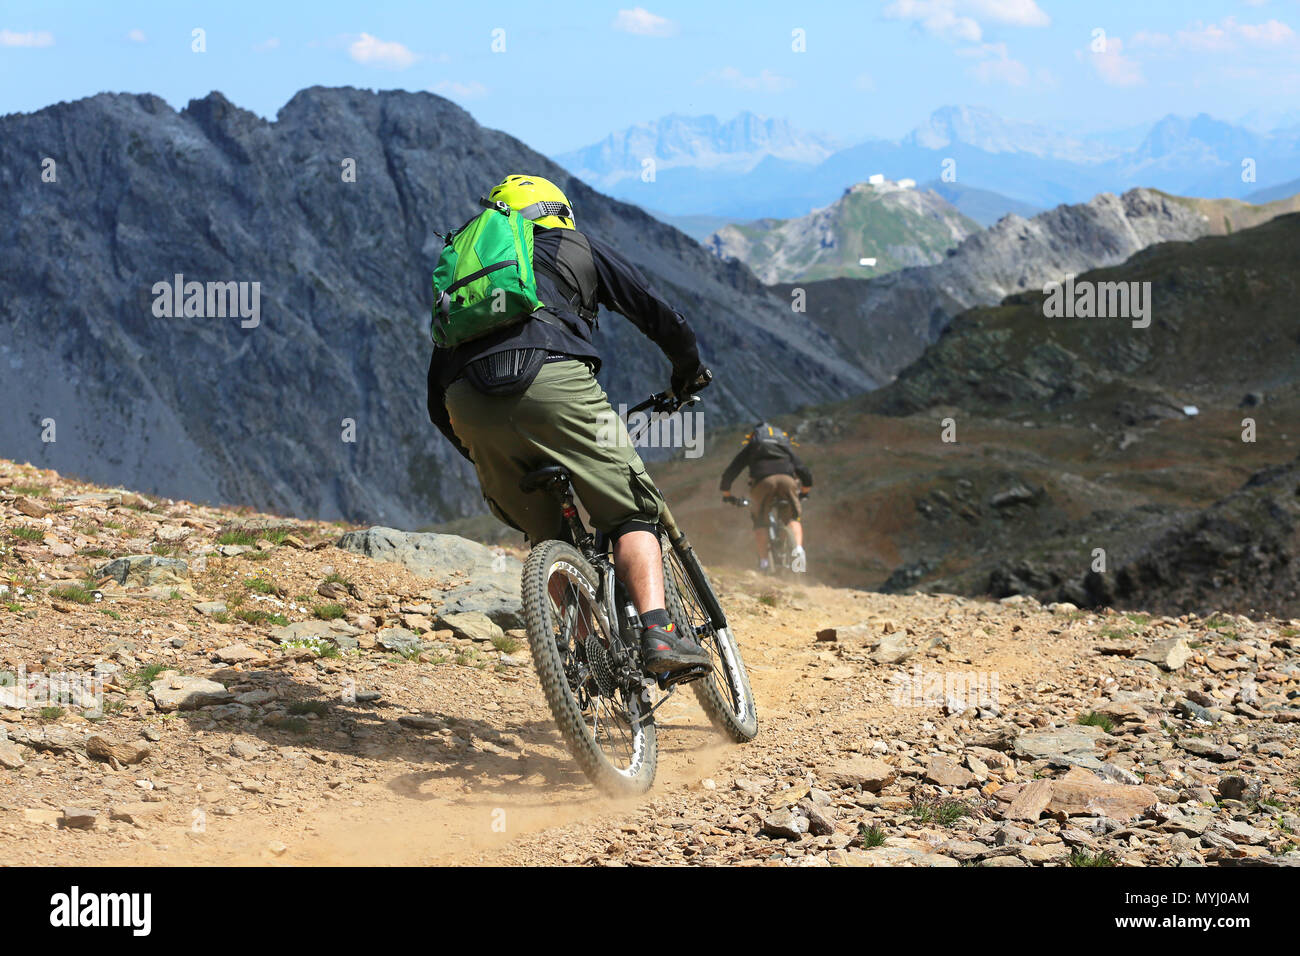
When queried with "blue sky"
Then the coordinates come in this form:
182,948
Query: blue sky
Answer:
573,71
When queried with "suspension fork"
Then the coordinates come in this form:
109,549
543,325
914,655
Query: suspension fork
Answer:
686,553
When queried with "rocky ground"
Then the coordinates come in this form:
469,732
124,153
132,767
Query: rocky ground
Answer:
282,692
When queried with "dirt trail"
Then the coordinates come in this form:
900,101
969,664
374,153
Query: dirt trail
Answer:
894,730
469,816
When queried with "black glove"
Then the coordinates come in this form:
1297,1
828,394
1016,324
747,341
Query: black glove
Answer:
687,382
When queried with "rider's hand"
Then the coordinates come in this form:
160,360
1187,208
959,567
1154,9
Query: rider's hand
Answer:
686,382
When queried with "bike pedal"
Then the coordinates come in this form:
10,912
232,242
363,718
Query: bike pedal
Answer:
684,676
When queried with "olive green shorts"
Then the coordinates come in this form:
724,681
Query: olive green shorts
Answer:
562,418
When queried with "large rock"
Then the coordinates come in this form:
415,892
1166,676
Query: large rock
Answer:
1030,802
898,851
400,640
944,772
144,570
492,577
11,758
1169,654
187,693
870,774
1077,744
335,632
472,625
1080,793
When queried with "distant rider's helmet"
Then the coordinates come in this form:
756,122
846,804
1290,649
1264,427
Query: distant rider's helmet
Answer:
535,198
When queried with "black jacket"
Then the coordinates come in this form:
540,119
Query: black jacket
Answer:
620,287
763,460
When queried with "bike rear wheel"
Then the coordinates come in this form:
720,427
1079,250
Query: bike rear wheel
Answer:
778,536
606,724
724,694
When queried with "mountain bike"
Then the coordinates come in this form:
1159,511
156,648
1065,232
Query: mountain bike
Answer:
585,637
780,543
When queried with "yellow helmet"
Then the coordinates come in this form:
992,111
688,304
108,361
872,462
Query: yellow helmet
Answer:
535,198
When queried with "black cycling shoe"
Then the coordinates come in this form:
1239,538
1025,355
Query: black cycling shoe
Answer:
664,650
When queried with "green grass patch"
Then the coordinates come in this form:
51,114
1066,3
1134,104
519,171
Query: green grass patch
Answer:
768,599
245,538
1081,857
943,812
26,534
262,586
317,707
328,612
870,836
76,593
146,675
31,491
505,644
1094,719
252,615
335,578
51,713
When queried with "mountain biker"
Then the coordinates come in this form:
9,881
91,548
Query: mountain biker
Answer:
768,453
525,396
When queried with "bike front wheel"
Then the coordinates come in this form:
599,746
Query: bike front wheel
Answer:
605,721
724,694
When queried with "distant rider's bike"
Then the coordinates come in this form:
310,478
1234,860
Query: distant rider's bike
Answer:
585,638
780,543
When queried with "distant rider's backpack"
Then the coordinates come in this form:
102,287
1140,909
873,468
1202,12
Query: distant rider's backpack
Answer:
484,279
770,442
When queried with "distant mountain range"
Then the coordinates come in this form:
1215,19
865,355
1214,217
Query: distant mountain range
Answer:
884,324
874,228
697,142
750,168
312,402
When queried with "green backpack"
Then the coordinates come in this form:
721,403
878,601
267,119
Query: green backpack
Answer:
484,279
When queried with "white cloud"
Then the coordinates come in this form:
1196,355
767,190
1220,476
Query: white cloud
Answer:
765,82
642,22
455,90
1231,35
996,66
373,51
137,36
865,82
960,19
939,17
1018,13
31,38
267,45
1155,41
1114,68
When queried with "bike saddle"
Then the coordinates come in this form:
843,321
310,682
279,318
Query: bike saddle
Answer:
543,476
